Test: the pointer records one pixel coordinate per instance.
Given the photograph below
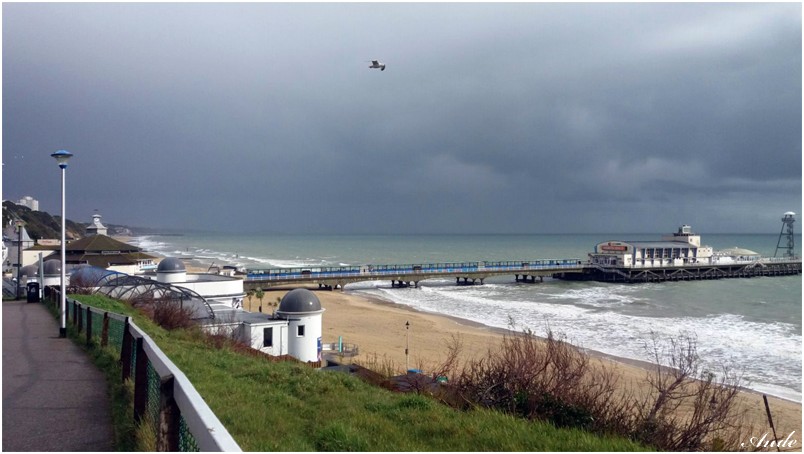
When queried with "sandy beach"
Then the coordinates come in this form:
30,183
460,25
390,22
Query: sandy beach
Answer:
378,328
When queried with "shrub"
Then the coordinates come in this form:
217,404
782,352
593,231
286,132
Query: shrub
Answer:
167,313
549,379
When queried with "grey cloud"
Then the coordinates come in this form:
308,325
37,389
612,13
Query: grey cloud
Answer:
489,117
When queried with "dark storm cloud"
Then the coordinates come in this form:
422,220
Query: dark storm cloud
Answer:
489,117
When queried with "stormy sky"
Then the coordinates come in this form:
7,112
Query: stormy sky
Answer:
489,118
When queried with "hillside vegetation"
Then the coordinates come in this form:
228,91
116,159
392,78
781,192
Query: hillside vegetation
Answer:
284,406
40,224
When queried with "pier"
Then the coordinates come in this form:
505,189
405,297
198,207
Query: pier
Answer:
401,276
532,271
769,266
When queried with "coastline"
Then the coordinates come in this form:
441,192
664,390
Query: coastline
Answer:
646,365
377,327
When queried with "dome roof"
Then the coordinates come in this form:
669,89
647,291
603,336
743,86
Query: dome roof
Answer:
88,276
171,265
52,267
299,300
30,270
736,251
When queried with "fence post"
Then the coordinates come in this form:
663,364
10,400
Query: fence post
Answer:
169,416
75,312
89,325
79,309
140,380
125,351
105,330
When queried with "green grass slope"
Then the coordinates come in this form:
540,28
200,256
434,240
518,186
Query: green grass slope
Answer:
269,406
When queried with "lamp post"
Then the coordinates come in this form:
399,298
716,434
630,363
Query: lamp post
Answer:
62,156
407,345
19,224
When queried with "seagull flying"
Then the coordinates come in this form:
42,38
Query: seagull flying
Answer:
376,64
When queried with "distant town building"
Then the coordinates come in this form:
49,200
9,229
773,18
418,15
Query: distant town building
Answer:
96,228
29,202
103,252
15,237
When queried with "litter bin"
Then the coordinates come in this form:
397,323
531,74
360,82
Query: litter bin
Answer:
33,292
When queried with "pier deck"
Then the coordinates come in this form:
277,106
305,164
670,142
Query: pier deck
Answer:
411,274
737,269
470,273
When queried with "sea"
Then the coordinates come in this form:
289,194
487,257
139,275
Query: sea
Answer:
751,326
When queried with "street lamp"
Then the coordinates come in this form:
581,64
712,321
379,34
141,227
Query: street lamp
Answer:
407,344
62,156
19,224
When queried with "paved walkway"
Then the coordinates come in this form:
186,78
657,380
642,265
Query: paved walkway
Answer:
54,398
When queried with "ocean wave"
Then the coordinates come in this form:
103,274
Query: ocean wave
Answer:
721,339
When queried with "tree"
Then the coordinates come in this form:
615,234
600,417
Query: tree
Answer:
250,295
260,294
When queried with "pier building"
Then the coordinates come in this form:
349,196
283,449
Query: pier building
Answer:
679,256
679,249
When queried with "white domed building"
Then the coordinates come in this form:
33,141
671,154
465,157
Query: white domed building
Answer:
295,329
303,312
52,273
220,291
171,270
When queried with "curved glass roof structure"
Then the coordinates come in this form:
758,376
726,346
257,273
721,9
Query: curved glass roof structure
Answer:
135,289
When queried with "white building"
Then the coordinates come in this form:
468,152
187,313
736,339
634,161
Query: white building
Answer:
303,312
679,249
96,228
29,202
215,288
100,251
16,238
295,329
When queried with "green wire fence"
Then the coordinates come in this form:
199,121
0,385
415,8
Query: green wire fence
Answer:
163,396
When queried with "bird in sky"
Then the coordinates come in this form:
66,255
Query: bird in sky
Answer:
376,64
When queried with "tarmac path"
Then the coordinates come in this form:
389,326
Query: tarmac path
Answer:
54,398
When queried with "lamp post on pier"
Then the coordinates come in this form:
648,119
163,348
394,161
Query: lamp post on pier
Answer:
62,156
407,345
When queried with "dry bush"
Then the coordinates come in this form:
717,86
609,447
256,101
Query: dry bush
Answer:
82,284
545,379
167,313
685,408
382,366
689,408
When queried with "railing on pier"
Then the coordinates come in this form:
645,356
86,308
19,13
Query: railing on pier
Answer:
715,269
714,261
163,396
379,271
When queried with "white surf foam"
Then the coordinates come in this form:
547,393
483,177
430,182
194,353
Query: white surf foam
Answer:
768,353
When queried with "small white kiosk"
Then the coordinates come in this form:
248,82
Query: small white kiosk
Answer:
303,312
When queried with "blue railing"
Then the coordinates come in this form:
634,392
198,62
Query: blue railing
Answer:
423,268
